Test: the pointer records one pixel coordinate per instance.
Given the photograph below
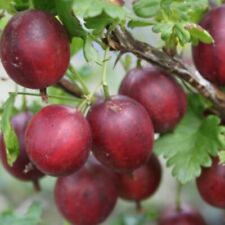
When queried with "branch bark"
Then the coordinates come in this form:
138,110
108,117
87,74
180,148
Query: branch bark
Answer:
70,88
123,41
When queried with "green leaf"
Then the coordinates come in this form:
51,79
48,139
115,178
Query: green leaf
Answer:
222,157
76,45
191,145
45,5
9,135
185,10
171,18
94,8
7,5
146,8
198,34
21,5
31,217
98,23
139,23
198,104
70,21
182,34
90,53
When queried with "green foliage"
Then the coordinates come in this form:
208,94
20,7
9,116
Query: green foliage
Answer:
21,5
193,142
31,217
76,45
70,21
90,53
145,8
175,20
222,157
45,5
92,8
97,14
9,135
6,5
12,6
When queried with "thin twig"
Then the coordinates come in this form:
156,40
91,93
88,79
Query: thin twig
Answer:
123,41
70,88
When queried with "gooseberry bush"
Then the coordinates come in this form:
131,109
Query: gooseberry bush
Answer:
101,146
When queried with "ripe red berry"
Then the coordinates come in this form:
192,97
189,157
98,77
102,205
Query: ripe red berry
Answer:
184,216
142,183
58,140
211,184
122,133
34,49
22,168
86,197
159,93
210,58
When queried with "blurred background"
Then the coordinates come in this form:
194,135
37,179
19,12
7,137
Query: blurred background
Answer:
18,195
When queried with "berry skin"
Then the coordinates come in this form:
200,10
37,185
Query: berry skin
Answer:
211,184
58,140
142,183
86,197
22,163
34,49
159,93
184,216
210,58
122,133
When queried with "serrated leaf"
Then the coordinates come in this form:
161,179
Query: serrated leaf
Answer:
182,34
90,53
166,30
198,34
170,17
146,8
186,10
32,216
93,8
9,135
70,21
191,145
98,23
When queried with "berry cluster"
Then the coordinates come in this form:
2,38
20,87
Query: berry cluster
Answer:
119,130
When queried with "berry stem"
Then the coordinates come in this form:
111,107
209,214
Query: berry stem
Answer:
50,96
44,95
104,75
24,101
36,185
138,206
79,79
178,196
